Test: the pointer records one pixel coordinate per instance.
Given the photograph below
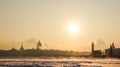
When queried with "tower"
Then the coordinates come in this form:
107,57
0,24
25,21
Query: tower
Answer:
113,46
92,48
21,48
111,50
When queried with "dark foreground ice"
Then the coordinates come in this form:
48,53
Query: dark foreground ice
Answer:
66,62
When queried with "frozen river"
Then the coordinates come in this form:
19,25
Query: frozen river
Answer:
64,62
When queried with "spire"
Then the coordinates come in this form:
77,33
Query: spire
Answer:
21,48
113,46
92,48
111,51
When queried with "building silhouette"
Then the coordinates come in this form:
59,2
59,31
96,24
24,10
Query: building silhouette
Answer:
13,48
92,48
95,52
39,44
112,51
21,48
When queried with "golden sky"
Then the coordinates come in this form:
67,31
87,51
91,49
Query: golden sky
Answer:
48,21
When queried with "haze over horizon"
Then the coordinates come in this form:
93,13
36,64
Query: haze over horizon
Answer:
49,20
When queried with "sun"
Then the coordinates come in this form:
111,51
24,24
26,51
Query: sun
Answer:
74,28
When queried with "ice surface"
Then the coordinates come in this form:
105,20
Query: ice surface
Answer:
61,62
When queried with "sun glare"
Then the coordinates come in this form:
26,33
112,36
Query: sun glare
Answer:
74,28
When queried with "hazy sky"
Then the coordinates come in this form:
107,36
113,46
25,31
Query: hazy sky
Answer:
48,20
